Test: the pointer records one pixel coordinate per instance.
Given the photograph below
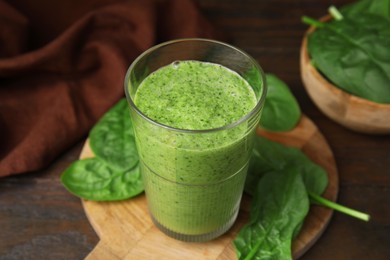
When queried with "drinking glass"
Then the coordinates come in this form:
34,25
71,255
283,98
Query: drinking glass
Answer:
194,179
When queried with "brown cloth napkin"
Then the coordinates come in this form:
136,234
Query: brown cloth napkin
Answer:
62,65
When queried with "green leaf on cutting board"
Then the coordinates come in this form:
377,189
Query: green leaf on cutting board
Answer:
112,138
281,110
93,179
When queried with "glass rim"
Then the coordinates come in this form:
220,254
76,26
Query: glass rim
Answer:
258,106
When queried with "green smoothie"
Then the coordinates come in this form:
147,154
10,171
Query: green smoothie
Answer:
194,179
195,95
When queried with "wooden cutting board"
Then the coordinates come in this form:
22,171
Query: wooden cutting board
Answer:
127,232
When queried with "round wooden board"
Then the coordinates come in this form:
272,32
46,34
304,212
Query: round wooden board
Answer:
127,232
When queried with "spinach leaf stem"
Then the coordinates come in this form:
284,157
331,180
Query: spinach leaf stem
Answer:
310,21
335,13
330,204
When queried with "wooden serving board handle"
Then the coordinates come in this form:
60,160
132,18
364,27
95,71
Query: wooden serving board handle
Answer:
102,251
127,232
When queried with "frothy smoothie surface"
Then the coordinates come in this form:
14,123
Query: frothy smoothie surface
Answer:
195,95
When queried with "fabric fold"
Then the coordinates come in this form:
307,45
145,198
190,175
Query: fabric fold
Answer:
52,94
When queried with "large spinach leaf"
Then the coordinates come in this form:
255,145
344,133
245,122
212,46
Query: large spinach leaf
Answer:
274,220
378,7
271,156
271,160
112,138
114,173
281,110
354,54
95,180
279,206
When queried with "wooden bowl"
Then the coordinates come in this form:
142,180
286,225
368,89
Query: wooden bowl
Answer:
353,112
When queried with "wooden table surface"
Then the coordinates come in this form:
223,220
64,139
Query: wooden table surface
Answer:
39,219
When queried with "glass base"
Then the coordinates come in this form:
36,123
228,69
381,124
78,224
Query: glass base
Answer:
196,238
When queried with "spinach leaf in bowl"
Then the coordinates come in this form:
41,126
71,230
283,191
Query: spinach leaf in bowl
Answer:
353,53
378,7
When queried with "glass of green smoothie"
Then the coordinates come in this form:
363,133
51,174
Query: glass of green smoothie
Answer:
195,105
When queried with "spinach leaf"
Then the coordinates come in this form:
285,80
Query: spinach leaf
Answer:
281,179
112,138
279,206
93,179
114,173
271,156
378,7
281,110
354,54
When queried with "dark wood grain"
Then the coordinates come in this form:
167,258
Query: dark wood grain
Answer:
39,219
